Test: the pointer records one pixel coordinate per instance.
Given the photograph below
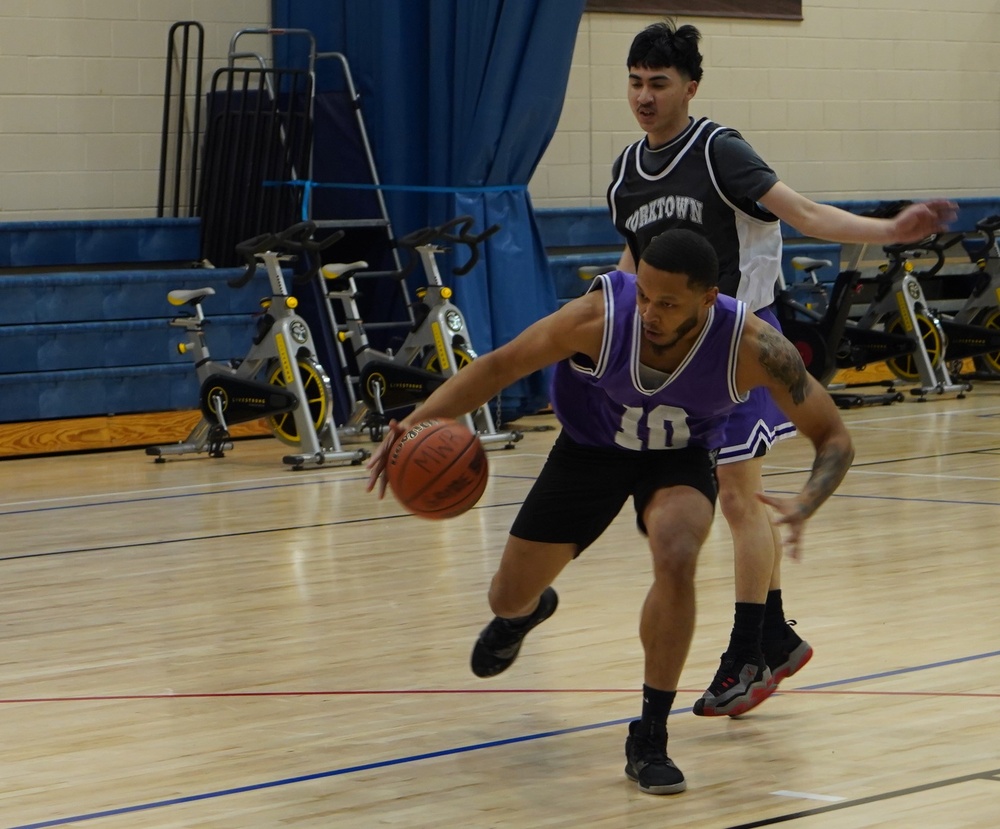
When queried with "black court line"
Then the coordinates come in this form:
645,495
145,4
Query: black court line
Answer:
115,502
875,798
324,481
888,461
397,516
235,534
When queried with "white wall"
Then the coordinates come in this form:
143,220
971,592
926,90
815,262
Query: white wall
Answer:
870,99
81,99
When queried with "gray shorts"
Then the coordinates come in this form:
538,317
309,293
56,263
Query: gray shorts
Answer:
581,489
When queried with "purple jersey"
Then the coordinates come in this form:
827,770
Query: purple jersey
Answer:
607,404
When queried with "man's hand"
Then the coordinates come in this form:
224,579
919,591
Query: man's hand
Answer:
918,221
380,457
790,513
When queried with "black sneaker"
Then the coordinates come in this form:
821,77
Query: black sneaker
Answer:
787,655
738,686
646,762
498,644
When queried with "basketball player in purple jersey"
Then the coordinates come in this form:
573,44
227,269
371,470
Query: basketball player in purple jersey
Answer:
647,368
696,174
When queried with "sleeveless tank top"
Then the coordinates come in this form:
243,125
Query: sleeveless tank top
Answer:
687,193
605,404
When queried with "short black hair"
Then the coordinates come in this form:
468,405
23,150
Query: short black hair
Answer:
683,251
663,45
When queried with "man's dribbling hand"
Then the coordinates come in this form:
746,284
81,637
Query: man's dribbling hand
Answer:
380,457
789,513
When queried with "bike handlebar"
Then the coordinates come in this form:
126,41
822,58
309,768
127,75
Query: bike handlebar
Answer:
988,228
294,239
447,233
937,244
977,245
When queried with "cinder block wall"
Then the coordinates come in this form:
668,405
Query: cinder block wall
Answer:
81,99
859,100
875,99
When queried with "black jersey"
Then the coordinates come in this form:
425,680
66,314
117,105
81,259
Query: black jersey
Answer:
687,191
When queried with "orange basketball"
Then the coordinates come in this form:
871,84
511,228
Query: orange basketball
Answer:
438,469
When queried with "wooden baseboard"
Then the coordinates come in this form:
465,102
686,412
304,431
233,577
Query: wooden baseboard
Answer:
869,374
49,437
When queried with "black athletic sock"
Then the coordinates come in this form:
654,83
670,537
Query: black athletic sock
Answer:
774,615
748,626
656,707
518,623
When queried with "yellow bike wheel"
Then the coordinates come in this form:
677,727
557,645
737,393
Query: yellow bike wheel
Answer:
905,367
988,363
319,399
463,356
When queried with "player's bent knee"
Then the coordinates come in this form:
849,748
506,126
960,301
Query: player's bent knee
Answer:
675,557
740,503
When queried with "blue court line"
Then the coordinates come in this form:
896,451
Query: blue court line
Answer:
414,758
900,671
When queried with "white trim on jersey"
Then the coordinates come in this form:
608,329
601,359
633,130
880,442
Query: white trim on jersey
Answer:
698,130
614,187
760,246
602,282
734,348
636,150
760,435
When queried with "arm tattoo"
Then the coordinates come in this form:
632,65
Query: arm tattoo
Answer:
779,357
828,470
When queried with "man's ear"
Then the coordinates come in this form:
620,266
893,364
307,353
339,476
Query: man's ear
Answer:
692,90
711,295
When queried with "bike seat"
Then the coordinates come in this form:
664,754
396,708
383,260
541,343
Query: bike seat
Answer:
339,270
807,263
591,271
191,297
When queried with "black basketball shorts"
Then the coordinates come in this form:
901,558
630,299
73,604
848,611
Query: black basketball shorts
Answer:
581,489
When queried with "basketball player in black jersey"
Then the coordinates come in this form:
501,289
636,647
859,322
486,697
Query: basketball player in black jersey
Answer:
693,173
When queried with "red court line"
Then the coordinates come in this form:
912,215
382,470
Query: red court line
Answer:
458,691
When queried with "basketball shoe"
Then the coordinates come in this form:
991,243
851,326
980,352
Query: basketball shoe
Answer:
785,656
738,686
646,762
499,643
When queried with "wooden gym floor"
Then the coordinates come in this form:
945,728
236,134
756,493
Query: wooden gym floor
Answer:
227,643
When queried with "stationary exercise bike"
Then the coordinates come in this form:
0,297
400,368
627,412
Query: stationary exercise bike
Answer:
896,327
899,308
817,323
966,300
382,384
279,379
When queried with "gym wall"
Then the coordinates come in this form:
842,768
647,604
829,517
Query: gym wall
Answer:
858,100
81,100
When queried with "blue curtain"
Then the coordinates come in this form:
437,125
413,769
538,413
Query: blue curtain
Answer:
460,98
